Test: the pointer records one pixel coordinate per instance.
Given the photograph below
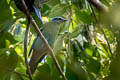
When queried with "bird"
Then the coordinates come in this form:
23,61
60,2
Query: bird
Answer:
38,49
30,6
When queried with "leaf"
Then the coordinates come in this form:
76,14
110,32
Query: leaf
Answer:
5,36
5,14
37,20
52,3
84,16
83,54
58,45
103,48
60,58
8,60
5,26
45,10
16,77
74,71
44,73
75,32
93,66
55,73
89,51
58,10
78,3
75,50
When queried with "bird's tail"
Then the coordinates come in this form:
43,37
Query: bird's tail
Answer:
37,12
34,61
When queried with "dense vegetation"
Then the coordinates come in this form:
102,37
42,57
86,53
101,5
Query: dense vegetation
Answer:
87,47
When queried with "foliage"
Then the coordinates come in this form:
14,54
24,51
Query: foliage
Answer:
86,48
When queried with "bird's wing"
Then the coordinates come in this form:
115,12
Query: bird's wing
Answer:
41,29
37,56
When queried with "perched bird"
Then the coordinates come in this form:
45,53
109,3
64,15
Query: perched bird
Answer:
50,32
31,6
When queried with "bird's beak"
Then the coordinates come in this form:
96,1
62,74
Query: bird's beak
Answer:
64,20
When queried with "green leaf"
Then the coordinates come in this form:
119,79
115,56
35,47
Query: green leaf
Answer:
16,77
45,10
75,32
83,53
74,71
78,3
106,53
93,66
58,10
84,16
8,60
44,73
58,44
5,36
52,3
75,50
5,14
55,73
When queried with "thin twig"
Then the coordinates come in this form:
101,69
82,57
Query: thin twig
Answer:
102,30
25,50
18,73
43,39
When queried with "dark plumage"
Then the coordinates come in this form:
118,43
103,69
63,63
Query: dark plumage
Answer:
30,6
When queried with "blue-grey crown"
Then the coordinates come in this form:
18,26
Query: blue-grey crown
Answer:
58,19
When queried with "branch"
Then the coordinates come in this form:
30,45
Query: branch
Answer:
100,6
43,39
18,73
25,50
102,31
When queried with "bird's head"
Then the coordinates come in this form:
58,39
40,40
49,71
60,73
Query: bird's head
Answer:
58,20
